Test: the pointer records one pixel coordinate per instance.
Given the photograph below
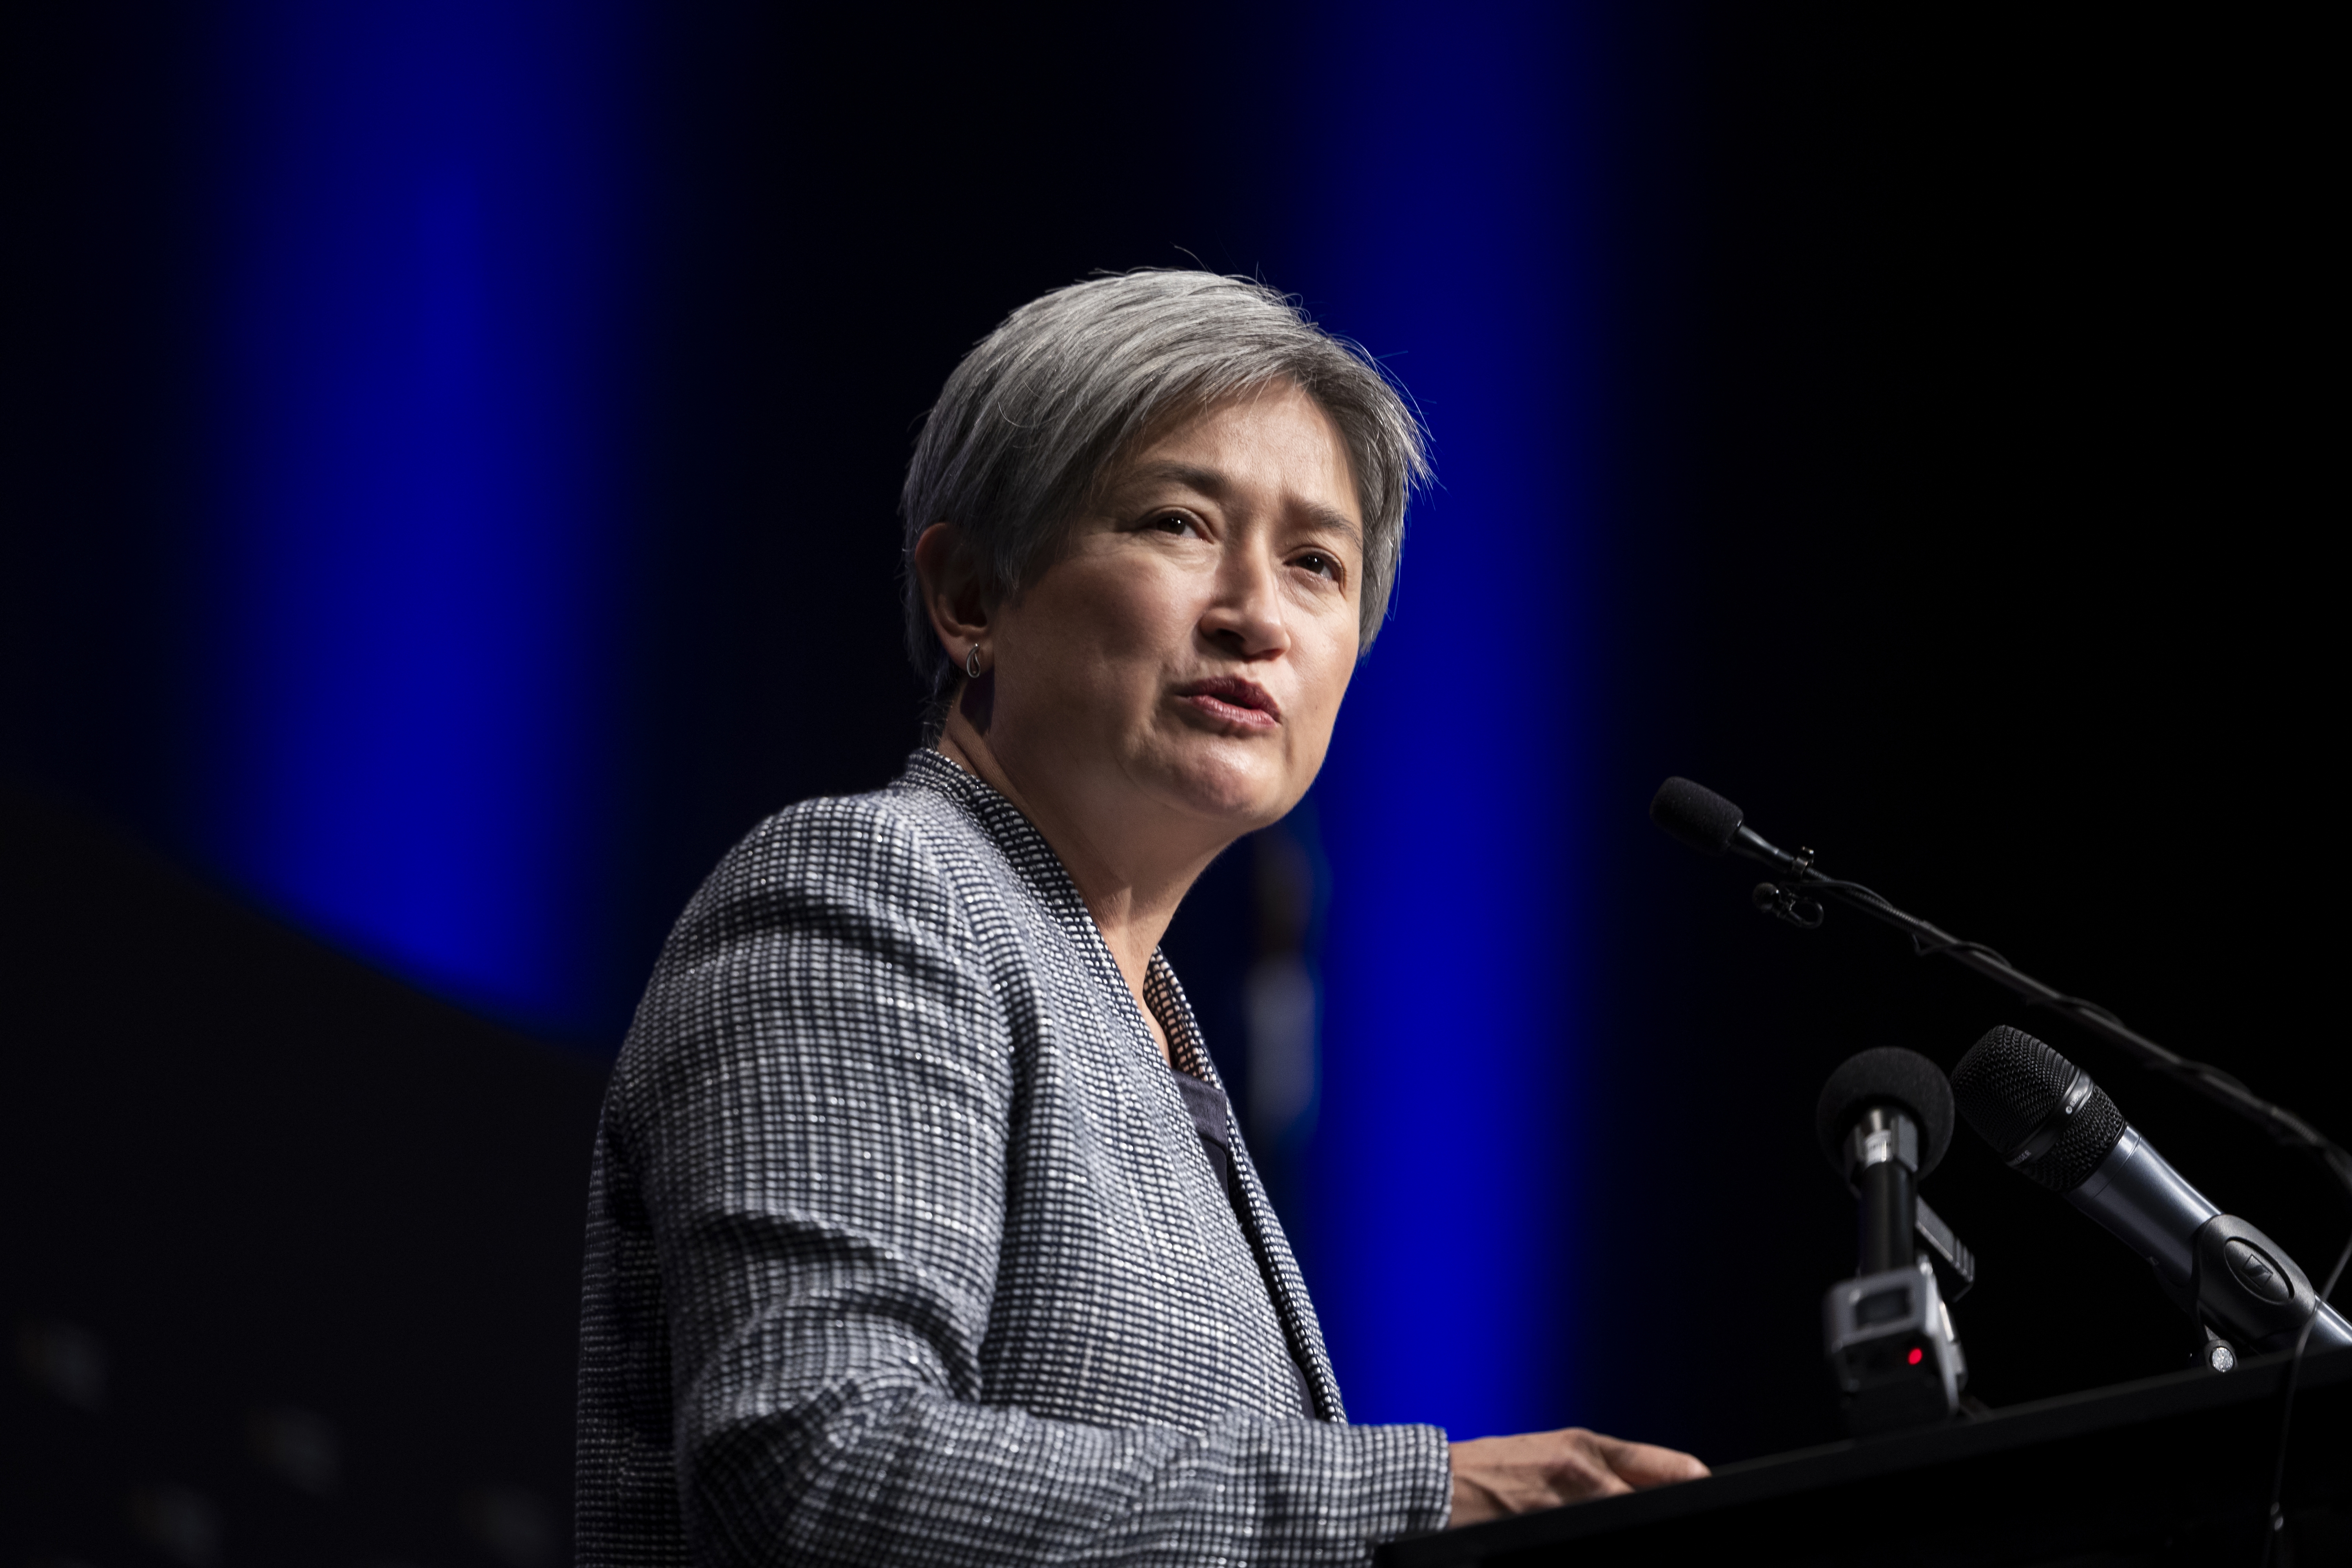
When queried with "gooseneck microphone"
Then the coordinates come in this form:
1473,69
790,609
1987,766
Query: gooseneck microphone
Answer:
2044,1116
1711,824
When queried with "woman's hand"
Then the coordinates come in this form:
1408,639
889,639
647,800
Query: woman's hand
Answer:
1497,1476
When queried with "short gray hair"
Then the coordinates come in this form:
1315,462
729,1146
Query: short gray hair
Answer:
1042,407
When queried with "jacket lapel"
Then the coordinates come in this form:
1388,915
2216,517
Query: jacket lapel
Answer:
1025,849
1272,1247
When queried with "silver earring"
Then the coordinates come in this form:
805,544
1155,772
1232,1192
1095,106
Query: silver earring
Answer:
971,662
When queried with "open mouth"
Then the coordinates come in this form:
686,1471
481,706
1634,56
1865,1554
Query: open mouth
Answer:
1234,701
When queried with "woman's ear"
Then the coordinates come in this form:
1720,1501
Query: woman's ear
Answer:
952,590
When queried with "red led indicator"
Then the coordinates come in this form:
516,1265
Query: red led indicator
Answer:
1916,1356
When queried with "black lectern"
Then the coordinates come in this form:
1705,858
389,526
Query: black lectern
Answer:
2171,1469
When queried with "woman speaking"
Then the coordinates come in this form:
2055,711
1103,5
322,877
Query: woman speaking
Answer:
920,1231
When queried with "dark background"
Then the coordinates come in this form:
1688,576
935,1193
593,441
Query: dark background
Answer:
1964,461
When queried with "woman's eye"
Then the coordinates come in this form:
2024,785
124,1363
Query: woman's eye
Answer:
1174,522
1320,564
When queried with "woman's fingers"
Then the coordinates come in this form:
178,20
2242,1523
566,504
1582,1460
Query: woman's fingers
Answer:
1582,1470
1497,1476
1646,1464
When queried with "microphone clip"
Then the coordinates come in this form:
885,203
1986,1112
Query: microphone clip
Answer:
1787,904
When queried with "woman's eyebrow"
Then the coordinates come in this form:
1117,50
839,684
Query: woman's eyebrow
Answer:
1214,485
1191,476
1336,521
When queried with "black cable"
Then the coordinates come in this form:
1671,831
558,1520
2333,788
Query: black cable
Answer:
1922,948
2273,1519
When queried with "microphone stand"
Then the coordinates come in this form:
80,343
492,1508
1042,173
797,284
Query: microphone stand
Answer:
1792,898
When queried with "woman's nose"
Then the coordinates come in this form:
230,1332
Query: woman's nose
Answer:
1245,617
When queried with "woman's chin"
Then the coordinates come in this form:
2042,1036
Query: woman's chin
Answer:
1245,791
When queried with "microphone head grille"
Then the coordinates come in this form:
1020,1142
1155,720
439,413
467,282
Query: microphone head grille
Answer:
1695,815
1887,1076
2090,1132
2010,1084
2007,1085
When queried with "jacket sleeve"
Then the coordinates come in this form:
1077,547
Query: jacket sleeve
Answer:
815,1102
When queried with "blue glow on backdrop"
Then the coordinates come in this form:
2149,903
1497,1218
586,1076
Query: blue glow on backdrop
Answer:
405,710
1449,235
412,735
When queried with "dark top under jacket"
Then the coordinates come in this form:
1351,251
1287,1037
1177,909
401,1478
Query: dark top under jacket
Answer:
903,1247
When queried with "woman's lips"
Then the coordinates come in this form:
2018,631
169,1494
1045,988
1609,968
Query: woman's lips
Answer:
1229,700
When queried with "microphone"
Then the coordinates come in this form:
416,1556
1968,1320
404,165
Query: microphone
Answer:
2044,1116
1884,1119
1711,824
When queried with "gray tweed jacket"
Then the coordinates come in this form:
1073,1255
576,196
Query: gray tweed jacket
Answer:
902,1248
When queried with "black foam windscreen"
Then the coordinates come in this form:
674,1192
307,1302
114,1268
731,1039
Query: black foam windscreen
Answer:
1695,815
1886,1075
2011,1084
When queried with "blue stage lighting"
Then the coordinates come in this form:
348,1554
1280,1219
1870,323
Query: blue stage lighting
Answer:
407,721
1445,224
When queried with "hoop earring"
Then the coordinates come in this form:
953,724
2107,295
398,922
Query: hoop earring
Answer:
971,662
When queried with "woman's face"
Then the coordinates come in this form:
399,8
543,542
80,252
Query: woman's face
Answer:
1177,667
